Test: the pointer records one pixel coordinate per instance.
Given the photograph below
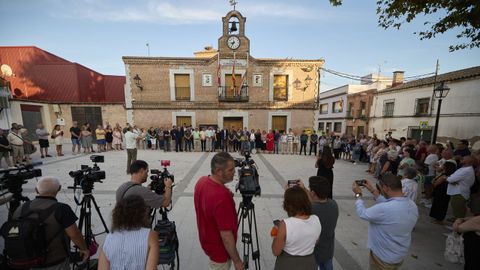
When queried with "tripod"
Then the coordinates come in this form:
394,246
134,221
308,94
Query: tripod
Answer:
167,238
17,199
246,212
85,221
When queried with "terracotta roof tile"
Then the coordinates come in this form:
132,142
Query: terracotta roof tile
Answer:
446,77
42,76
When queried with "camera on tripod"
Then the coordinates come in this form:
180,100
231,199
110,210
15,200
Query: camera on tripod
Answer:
87,176
248,183
158,177
13,179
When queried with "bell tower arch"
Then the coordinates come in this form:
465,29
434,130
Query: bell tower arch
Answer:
233,30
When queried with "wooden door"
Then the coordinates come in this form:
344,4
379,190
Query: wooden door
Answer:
181,120
229,89
280,123
91,115
31,116
349,131
360,131
233,122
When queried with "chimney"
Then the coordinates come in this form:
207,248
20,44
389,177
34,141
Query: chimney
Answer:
397,78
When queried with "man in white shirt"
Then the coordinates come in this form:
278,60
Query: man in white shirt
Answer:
290,138
459,184
431,159
42,135
16,142
209,134
131,139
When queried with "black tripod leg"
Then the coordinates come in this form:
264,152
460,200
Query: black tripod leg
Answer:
255,253
99,214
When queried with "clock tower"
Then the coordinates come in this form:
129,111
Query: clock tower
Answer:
233,39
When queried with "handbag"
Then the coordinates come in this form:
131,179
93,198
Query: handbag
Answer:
454,248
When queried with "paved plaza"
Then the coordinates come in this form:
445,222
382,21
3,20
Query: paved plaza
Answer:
351,232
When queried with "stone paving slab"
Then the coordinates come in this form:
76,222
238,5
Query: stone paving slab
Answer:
351,233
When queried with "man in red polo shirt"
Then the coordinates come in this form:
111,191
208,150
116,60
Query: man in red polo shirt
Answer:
216,215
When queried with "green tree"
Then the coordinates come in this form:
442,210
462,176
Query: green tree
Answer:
462,16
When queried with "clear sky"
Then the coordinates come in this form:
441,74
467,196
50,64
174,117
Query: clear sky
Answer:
97,33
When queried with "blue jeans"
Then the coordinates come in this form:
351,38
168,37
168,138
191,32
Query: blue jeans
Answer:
327,265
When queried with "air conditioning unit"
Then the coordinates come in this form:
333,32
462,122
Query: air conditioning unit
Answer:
56,108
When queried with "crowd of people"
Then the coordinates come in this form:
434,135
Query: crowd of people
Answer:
407,173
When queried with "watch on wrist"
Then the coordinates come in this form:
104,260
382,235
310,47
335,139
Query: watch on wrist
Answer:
358,195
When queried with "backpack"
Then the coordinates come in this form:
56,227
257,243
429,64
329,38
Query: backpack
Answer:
26,244
167,241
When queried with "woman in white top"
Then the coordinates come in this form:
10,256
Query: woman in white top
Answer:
131,244
57,135
297,234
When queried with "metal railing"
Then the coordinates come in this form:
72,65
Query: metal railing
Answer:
227,94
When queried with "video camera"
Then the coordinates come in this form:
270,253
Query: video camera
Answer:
13,179
158,177
87,176
248,183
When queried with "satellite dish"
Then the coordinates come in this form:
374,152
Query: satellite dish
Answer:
6,70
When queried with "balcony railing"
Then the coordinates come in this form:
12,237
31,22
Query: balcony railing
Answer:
226,94
349,114
361,113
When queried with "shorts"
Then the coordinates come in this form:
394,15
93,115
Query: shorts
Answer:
101,142
75,141
43,143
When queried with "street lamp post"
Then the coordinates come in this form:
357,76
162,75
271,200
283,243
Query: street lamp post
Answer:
441,92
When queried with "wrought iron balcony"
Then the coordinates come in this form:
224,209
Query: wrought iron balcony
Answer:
227,94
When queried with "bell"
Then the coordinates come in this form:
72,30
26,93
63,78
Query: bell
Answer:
234,27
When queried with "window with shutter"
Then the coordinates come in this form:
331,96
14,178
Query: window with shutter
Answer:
280,87
182,87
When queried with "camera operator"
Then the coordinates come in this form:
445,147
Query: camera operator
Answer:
59,224
216,214
139,171
391,221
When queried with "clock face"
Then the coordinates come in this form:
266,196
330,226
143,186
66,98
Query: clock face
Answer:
233,42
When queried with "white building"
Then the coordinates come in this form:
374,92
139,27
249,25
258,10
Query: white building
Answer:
332,113
409,109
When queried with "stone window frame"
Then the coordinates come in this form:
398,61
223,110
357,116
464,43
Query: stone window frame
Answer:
190,72
386,112
280,113
184,113
232,113
274,72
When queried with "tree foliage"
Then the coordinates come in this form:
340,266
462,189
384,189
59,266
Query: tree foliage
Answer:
462,16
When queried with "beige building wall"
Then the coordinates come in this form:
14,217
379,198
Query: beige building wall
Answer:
112,113
298,120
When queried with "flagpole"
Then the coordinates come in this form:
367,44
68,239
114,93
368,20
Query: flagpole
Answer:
234,81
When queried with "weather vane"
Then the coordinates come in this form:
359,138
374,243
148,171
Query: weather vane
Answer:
233,3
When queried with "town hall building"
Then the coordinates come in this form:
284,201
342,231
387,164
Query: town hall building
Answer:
224,87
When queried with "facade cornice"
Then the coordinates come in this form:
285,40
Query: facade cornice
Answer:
172,105
167,60
142,60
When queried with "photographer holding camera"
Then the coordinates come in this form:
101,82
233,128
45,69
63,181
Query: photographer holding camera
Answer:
139,171
216,214
391,221
59,220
